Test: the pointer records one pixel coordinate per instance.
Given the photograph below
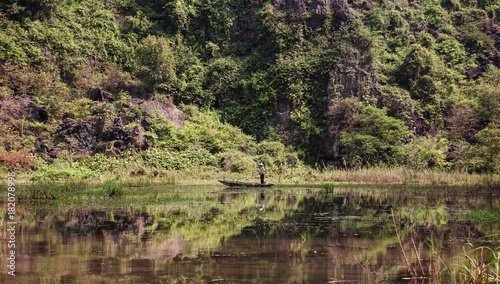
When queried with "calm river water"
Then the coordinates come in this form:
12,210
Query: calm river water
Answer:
214,234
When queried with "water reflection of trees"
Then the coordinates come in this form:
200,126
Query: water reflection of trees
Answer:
299,226
287,213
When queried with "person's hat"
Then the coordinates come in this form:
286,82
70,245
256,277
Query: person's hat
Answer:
260,164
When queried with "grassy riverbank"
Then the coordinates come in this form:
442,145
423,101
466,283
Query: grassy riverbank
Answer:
301,175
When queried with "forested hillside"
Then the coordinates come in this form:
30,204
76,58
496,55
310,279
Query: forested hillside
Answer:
226,83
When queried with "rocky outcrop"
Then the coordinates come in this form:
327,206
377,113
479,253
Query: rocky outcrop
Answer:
97,94
79,136
18,106
283,121
95,135
44,147
353,76
89,137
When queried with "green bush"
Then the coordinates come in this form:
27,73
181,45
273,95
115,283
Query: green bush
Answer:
271,148
418,63
162,159
243,165
487,94
436,16
398,102
488,148
452,51
427,152
379,141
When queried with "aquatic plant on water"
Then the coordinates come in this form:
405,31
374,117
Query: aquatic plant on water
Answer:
112,189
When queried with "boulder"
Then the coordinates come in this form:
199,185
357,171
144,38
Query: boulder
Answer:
97,94
167,111
44,147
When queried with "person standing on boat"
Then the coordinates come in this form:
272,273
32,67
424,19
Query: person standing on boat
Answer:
262,172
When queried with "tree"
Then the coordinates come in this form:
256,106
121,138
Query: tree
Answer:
155,63
488,147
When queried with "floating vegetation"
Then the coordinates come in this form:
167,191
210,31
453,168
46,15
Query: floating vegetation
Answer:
483,217
112,189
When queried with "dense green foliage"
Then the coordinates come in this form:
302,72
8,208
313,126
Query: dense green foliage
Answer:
380,139
394,82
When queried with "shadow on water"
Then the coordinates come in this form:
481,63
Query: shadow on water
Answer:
297,235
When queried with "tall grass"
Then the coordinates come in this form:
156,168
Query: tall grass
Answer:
479,265
303,175
402,175
112,189
42,191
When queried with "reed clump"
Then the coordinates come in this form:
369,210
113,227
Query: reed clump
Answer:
112,189
479,265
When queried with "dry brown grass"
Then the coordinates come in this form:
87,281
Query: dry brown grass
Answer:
309,176
19,160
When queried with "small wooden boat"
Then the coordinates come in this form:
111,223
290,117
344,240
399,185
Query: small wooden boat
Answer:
235,183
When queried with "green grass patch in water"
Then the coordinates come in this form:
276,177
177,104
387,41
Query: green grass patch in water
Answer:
483,217
112,189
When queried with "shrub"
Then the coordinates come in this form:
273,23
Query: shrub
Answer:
488,148
379,140
428,152
418,63
10,139
344,115
362,149
488,95
41,128
426,39
436,16
106,111
452,51
271,148
478,42
398,102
